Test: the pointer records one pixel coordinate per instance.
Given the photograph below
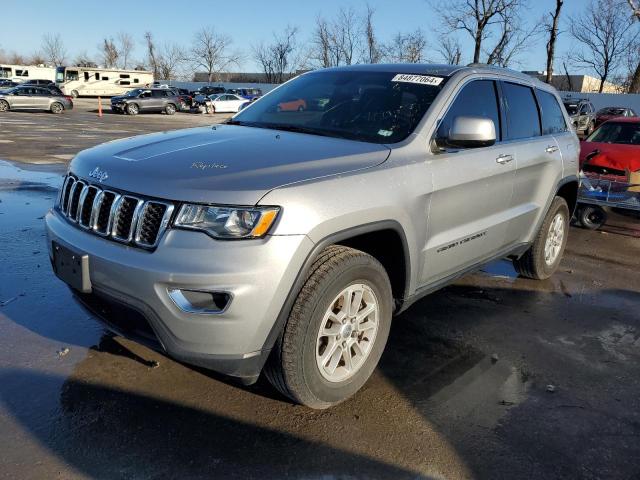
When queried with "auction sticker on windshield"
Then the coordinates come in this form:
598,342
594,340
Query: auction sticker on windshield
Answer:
422,79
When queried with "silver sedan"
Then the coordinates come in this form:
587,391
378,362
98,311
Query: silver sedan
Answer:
33,98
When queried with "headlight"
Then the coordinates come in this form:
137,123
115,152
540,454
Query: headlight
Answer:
227,222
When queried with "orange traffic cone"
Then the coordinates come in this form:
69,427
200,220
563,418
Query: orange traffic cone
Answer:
99,107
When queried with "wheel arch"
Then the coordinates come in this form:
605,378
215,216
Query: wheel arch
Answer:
369,238
568,189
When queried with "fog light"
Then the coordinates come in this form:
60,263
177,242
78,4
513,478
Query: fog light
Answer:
199,301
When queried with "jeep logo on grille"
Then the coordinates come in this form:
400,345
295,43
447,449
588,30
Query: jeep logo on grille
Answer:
98,174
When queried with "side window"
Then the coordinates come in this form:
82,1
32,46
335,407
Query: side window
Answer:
552,117
72,75
86,76
523,119
477,99
145,94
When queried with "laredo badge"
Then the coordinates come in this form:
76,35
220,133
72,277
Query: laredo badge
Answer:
422,79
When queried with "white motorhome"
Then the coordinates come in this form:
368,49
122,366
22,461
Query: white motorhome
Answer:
104,82
23,73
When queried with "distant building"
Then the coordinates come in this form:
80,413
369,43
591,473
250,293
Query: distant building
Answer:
577,83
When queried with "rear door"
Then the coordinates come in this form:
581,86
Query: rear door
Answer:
469,211
539,164
41,98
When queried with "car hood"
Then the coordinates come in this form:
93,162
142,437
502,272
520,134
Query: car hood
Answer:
118,98
614,156
225,164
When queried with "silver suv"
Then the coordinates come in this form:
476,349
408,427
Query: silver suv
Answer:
582,114
285,240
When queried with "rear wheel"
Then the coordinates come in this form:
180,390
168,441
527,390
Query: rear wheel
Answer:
592,217
336,331
543,257
132,109
57,107
74,93
4,105
170,109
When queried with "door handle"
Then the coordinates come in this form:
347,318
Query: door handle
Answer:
551,149
503,159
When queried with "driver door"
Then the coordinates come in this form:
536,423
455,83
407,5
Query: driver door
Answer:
472,190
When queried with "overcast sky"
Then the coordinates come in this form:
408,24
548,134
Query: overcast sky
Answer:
83,25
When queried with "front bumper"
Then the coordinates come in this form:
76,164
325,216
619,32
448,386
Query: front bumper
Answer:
258,273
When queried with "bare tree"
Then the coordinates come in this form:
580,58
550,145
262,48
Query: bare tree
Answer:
407,48
152,59
347,34
322,44
513,40
53,49
212,51
109,53
603,31
17,59
170,60
449,49
476,17
372,51
634,53
125,47
83,60
551,27
279,59
37,58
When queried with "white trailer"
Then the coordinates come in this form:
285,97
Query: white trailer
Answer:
23,73
104,82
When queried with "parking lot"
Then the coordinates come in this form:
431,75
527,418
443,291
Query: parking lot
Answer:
44,138
492,377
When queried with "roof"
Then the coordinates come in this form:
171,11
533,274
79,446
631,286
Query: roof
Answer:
624,120
435,69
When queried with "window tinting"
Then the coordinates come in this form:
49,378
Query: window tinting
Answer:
552,117
477,99
523,120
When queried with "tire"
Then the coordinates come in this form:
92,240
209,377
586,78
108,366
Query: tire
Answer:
170,109
183,106
296,367
132,109
590,128
75,94
592,217
301,108
534,263
56,107
4,106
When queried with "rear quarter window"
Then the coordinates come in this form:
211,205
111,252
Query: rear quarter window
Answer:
552,117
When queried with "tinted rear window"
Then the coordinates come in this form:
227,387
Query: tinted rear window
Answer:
523,120
552,117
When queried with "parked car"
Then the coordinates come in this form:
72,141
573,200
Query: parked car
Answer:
34,98
583,115
38,83
296,105
605,114
248,93
185,96
208,90
227,103
147,100
5,83
285,243
613,149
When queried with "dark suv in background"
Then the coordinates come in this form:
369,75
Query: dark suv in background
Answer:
147,100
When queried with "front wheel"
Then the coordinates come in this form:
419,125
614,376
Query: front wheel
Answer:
336,331
132,109
543,257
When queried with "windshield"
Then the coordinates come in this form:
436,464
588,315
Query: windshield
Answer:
572,108
611,111
133,93
617,132
356,105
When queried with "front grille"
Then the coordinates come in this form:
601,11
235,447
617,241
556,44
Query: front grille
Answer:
117,216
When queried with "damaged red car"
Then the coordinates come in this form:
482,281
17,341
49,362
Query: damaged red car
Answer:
613,149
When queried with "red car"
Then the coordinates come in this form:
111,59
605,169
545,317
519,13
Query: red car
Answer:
298,105
614,148
609,113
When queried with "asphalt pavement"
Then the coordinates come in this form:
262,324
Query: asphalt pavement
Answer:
492,377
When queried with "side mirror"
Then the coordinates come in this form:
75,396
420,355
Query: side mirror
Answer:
471,132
